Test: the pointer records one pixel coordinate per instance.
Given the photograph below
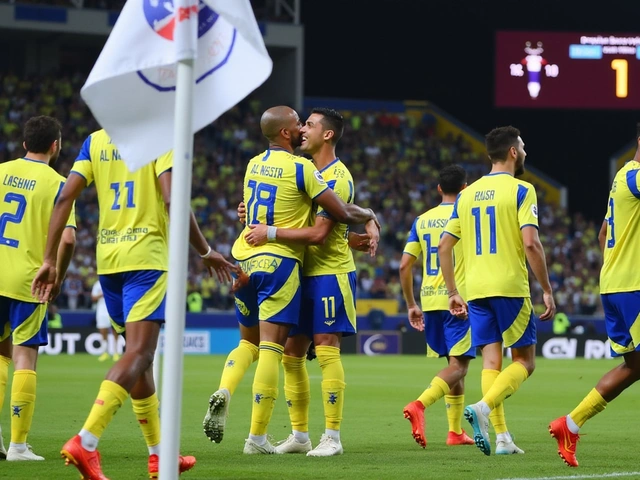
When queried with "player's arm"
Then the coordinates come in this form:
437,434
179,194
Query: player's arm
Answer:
259,234
602,235
46,278
528,220
211,259
448,240
414,312
65,254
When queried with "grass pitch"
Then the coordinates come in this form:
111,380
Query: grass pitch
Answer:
377,439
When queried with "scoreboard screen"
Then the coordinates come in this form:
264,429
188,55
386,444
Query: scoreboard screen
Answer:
567,70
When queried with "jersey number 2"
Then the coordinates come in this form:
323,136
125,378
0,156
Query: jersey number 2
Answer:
12,218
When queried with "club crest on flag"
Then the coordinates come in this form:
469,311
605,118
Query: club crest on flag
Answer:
161,16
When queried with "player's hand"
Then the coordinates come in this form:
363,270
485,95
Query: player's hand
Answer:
242,212
44,282
372,228
416,318
359,241
242,280
223,268
257,235
55,291
458,307
550,303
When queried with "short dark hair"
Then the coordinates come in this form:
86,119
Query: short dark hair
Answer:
452,179
499,141
40,132
332,120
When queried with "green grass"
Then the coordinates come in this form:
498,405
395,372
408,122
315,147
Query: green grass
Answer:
376,438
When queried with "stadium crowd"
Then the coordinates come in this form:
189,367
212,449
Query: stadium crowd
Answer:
393,158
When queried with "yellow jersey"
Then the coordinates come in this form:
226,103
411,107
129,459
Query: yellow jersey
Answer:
28,193
132,230
620,272
335,255
279,189
487,217
423,240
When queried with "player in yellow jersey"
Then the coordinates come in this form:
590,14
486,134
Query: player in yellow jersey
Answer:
28,190
132,258
620,289
496,218
328,293
446,335
279,191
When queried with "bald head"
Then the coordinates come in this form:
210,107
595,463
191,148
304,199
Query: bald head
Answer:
277,118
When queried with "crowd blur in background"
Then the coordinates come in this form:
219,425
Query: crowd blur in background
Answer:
394,160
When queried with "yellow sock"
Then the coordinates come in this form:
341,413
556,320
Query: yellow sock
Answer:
455,406
265,386
434,392
333,385
589,407
23,402
148,414
297,391
4,378
506,384
237,364
110,398
497,414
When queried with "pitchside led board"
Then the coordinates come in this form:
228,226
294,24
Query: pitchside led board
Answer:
567,70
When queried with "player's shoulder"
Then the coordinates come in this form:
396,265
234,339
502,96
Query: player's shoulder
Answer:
523,183
629,166
341,168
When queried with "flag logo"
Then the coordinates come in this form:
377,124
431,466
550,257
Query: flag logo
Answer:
216,41
161,17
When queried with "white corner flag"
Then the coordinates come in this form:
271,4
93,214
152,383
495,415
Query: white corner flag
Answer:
131,89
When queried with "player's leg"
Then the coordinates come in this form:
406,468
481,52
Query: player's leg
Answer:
5,361
454,403
518,327
334,318
297,390
621,313
485,332
29,332
492,356
114,335
236,364
278,296
104,331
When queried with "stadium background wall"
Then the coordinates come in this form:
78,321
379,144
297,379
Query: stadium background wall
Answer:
218,334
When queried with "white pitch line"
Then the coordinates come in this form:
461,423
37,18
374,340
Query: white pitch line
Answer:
578,477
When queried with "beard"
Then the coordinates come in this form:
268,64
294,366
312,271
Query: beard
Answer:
54,158
296,141
519,166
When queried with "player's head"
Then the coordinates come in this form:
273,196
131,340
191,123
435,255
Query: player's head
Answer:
453,179
281,124
324,125
43,135
504,144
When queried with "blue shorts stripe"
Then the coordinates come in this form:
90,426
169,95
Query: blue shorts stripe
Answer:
447,335
25,321
622,320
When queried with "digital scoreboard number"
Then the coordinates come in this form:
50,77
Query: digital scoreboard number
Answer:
567,70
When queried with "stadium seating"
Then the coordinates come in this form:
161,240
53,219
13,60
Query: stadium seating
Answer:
394,160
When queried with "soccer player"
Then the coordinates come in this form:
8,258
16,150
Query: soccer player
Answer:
132,260
620,290
496,218
279,191
103,322
328,293
446,335
28,192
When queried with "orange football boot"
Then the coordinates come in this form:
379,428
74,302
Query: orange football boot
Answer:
88,463
567,441
414,412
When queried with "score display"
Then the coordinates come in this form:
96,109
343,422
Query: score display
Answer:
567,70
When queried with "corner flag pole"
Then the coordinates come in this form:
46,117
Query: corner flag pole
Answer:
171,408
